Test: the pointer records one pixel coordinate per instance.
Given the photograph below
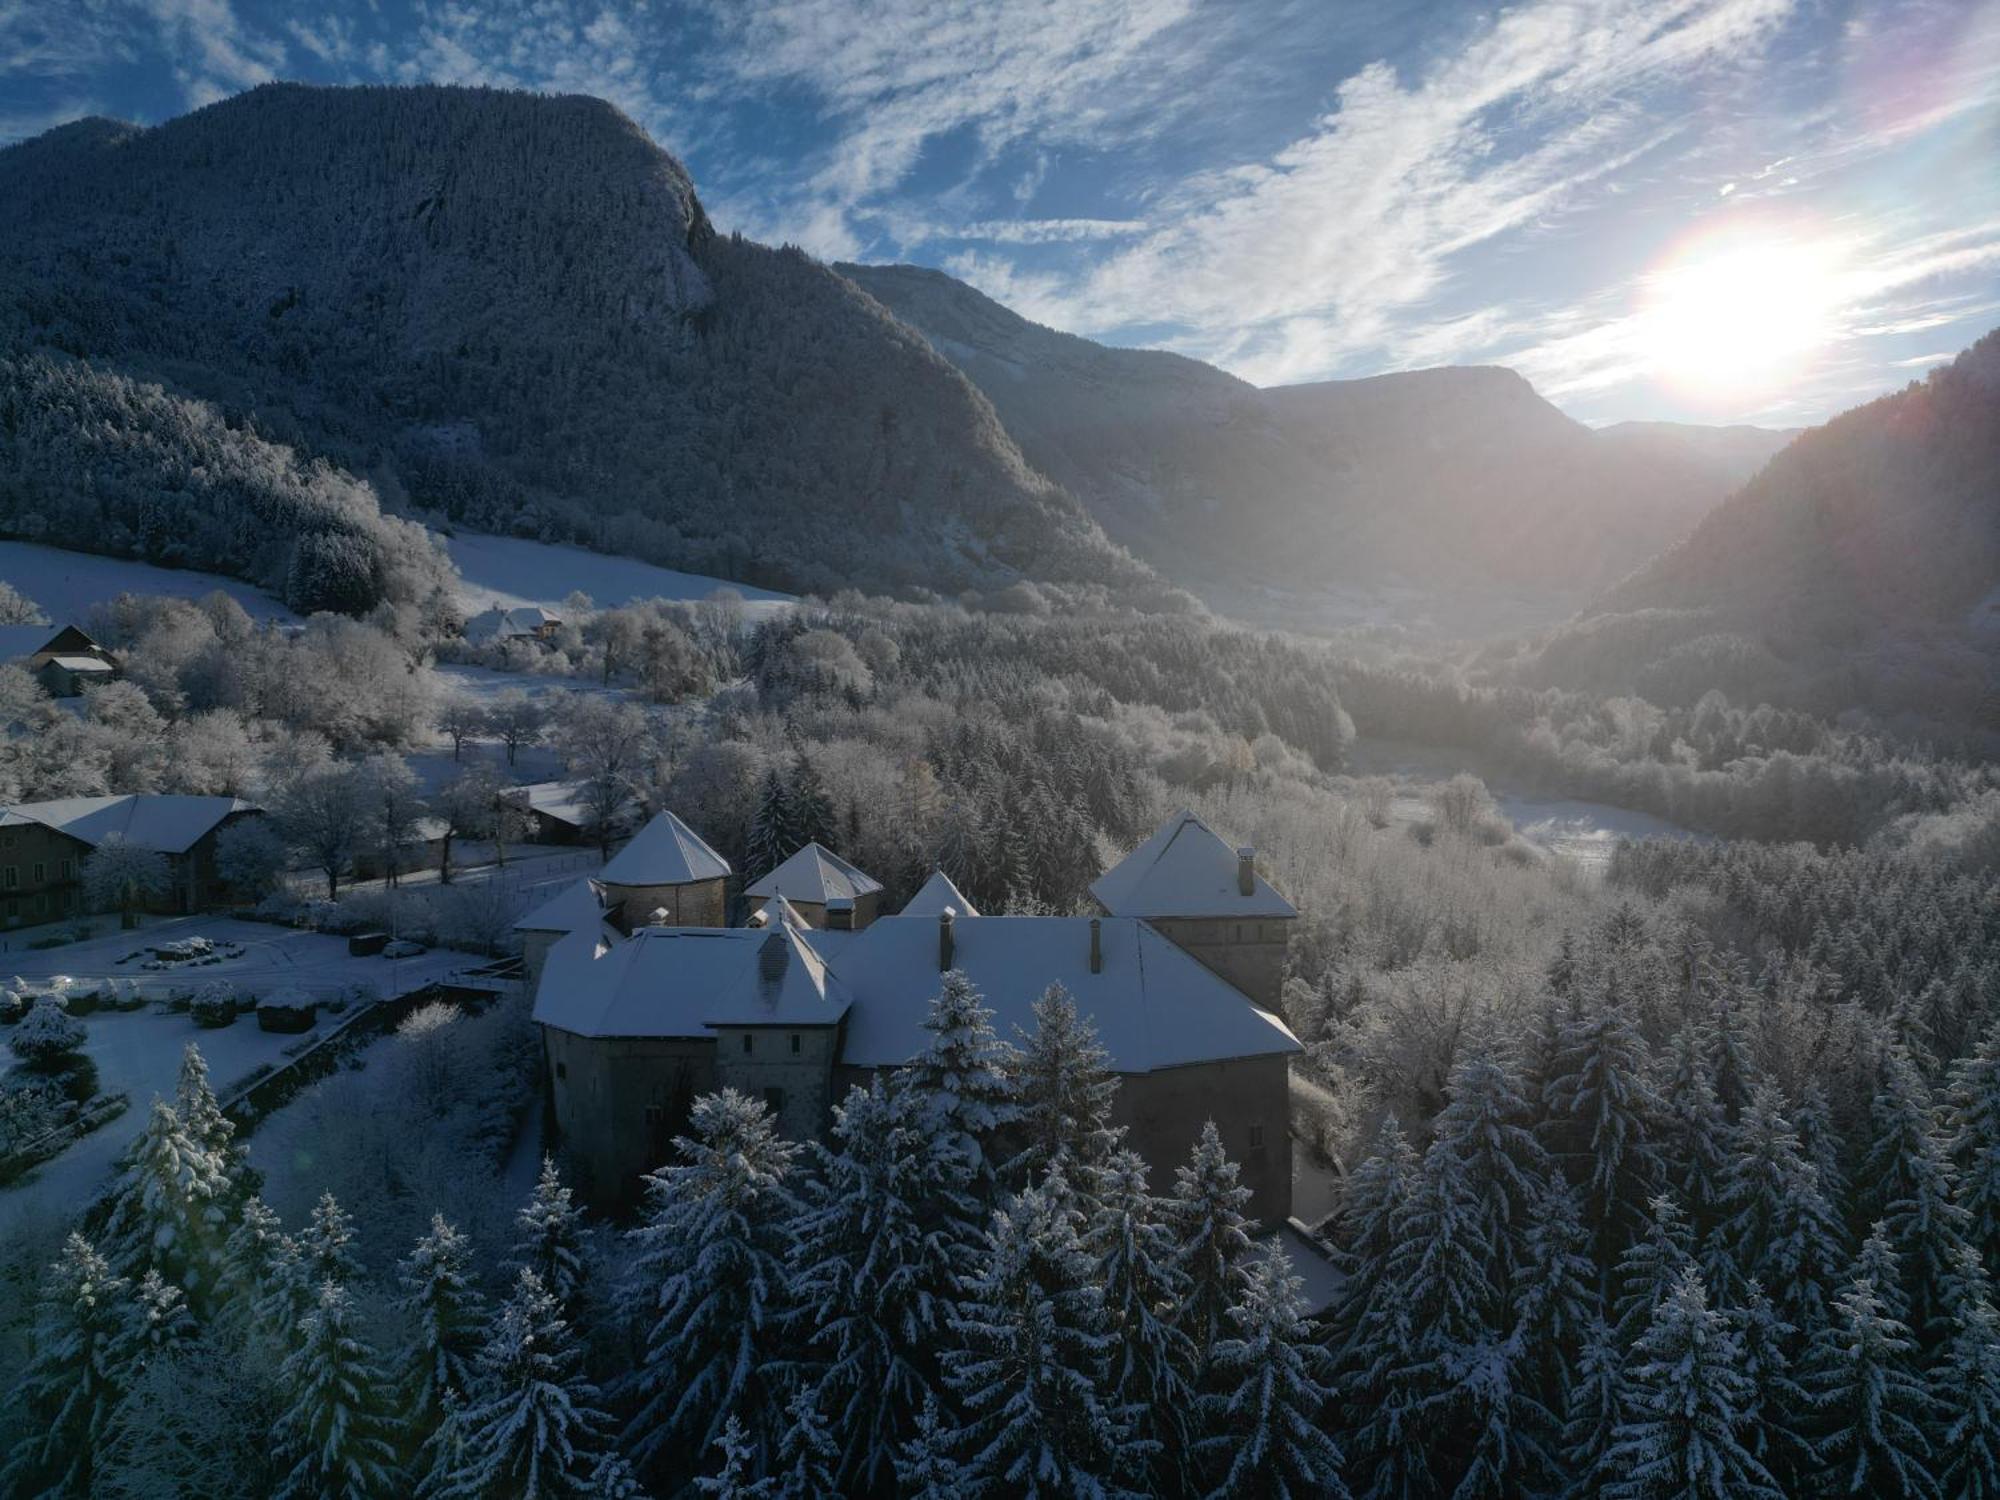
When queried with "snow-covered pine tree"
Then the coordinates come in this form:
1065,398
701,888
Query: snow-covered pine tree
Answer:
1974,1144
877,1247
1878,1263
1687,1400
164,1319
1555,1297
549,1238
1602,1116
249,1258
1487,1123
333,1437
1910,1185
1271,1389
1650,1268
735,1477
1873,1411
532,1427
447,1316
202,1117
288,1293
1821,1143
770,827
1364,1237
1595,1412
1206,1216
964,1077
1064,1090
87,1345
170,1207
1152,1358
710,1281
1776,1227
808,1456
1694,1132
1777,1419
326,1247
925,1469
811,809
1967,1388
1029,1367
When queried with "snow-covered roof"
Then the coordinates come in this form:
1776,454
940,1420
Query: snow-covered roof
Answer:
937,894
579,907
1152,1004
777,910
522,619
1185,870
82,664
816,875
561,800
170,824
665,852
17,641
686,981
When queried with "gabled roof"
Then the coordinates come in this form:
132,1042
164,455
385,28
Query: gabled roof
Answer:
665,852
166,823
83,663
816,875
578,907
935,895
1185,870
685,981
522,619
561,800
1153,1005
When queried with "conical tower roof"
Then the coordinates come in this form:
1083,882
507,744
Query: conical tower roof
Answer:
935,895
665,852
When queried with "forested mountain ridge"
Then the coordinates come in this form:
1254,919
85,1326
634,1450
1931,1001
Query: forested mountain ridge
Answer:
1858,569
510,310
1433,478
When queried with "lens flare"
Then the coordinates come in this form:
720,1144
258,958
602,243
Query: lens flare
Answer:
1739,316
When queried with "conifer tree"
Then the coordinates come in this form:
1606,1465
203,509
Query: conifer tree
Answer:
1030,1363
550,1238
735,1479
1693,1130
164,1319
925,1469
1687,1402
326,1248
710,1280
1206,1216
877,1247
1776,1421
1601,1117
1777,1228
169,1208
202,1117
1555,1297
1911,1180
288,1293
1651,1267
1968,1388
770,827
964,1076
811,810
333,1435
447,1315
1364,1237
87,1344
1272,1387
1152,1358
1821,1144
1974,1143
1872,1409
808,1457
532,1427
1486,1122
250,1257
1595,1413
1064,1090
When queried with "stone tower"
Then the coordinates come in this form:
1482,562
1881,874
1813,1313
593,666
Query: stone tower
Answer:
665,877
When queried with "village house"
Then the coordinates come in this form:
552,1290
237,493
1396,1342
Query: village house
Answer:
524,622
641,1012
65,661
43,846
558,811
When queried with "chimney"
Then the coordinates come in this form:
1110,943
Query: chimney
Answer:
1096,946
840,914
1246,871
945,944
758,918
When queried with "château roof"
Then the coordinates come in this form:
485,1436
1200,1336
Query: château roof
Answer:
778,911
580,905
1185,870
665,852
816,875
163,822
935,895
685,981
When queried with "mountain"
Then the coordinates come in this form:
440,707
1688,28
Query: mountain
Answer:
503,310
1733,453
1436,479
1859,568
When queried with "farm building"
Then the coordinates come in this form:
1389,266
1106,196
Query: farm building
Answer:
43,846
65,661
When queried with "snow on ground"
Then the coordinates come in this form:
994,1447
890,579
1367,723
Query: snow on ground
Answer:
67,584
509,571
138,1053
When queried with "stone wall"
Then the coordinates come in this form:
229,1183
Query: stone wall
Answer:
1248,952
698,904
796,1062
866,909
619,1102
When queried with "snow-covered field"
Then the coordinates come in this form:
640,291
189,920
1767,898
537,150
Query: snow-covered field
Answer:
509,571
138,1053
67,584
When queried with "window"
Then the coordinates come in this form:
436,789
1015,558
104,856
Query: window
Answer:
13,877
774,1100
67,869
795,1044
1256,1137
41,872
748,1041
562,1070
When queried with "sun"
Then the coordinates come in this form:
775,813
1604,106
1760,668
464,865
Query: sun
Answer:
1736,317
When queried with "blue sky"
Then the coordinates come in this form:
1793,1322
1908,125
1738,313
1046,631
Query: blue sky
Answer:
1720,210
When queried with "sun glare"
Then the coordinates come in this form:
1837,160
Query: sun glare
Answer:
1729,320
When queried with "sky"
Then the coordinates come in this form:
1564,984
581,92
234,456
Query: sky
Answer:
1707,210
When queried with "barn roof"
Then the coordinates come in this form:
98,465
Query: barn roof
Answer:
665,852
1185,870
170,824
815,874
936,895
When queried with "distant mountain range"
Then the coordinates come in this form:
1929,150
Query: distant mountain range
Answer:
1433,479
506,310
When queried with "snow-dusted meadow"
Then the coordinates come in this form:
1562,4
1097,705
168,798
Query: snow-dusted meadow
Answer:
509,571
68,584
